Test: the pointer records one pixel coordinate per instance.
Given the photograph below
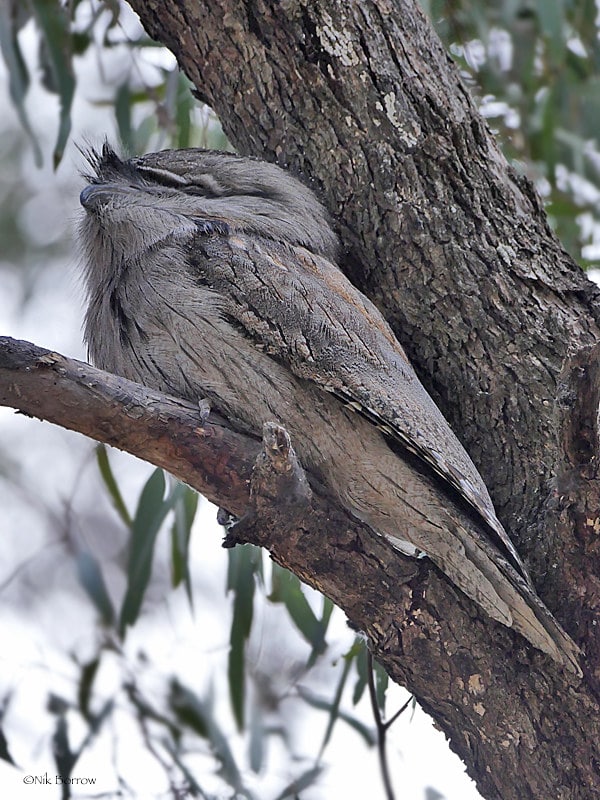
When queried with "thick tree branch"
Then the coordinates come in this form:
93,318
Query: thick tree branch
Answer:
166,431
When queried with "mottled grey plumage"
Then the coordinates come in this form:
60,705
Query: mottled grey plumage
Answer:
211,275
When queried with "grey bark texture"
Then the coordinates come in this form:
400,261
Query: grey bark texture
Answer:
500,324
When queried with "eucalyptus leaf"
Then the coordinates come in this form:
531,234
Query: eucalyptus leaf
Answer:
111,485
323,704
84,688
150,515
185,512
287,589
18,74
54,25
241,581
308,778
91,579
4,751
123,103
190,707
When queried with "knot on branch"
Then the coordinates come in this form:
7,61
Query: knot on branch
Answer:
278,476
279,490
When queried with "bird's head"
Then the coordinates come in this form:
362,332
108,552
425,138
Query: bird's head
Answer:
133,205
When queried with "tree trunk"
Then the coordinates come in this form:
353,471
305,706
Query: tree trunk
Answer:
501,325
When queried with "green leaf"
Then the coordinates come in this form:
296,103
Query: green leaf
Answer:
144,132
123,103
381,684
365,732
84,689
359,649
4,752
149,517
80,43
18,76
328,607
356,653
189,708
256,743
64,758
243,564
54,24
184,108
95,722
334,708
91,579
111,484
287,590
185,511
554,27
319,644
308,778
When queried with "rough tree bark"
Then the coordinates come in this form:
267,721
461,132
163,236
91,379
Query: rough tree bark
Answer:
502,326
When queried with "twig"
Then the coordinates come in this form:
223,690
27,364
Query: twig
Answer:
382,728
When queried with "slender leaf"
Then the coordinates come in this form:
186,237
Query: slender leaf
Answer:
191,708
146,711
143,133
123,103
54,24
328,607
84,689
111,484
18,75
334,708
184,108
287,590
366,733
552,22
240,580
91,579
185,511
188,708
95,722
4,751
362,669
149,517
319,643
381,684
308,778
64,758
256,743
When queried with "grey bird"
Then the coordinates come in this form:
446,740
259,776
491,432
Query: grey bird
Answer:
214,276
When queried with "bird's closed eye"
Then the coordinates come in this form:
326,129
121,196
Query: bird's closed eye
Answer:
163,176
203,185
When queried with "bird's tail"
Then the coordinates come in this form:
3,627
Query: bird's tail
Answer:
512,601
